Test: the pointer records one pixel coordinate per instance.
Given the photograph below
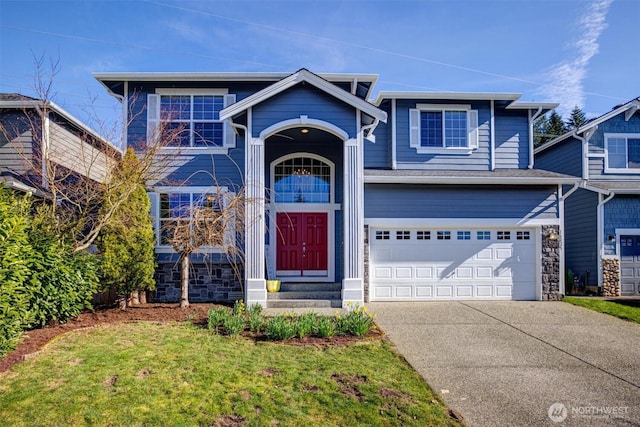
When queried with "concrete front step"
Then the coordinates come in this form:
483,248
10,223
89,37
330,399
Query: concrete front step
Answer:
282,295
304,303
310,287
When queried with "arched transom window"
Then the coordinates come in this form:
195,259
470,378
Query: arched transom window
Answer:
302,180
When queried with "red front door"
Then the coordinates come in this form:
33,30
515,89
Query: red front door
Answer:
302,244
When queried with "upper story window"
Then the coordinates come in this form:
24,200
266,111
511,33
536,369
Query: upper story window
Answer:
622,152
179,118
443,127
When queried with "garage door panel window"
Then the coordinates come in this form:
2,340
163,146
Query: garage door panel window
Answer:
464,235
423,235
523,235
444,235
504,235
403,235
382,235
483,235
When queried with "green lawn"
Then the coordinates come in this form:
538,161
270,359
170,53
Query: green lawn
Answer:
175,374
609,307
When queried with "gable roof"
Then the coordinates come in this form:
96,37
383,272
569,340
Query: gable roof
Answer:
113,82
303,75
629,108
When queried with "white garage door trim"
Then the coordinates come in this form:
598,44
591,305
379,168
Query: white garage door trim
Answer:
454,263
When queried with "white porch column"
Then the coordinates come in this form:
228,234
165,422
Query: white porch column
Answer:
353,283
255,285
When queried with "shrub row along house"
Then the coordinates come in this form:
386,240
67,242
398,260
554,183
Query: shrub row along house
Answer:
409,196
602,218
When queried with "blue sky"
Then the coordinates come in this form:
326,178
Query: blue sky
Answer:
575,52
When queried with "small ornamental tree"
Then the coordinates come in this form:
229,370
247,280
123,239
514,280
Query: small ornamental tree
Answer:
127,242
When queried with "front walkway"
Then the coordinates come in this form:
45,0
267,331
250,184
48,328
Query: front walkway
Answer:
507,363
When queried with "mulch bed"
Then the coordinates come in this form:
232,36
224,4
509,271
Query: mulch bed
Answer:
32,341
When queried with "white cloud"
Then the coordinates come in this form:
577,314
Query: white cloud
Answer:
567,77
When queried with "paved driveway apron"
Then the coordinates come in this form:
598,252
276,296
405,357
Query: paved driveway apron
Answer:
508,363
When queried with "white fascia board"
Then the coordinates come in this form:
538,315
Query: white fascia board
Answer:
471,96
532,105
62,112
294,79
212,76
593,123
381,179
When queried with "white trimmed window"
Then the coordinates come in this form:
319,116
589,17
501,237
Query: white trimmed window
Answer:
622,152
434,128
171,206
190,119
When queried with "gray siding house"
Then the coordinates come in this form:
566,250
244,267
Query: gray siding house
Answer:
409,196
602,216
33,130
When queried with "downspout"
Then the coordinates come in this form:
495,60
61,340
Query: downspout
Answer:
532,121
394,160
492,153
600,228
44,143
585,158
354,86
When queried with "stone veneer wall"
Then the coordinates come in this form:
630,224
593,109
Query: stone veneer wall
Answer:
611,277
550,264
366,263
207,283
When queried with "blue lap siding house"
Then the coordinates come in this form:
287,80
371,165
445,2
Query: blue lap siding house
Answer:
602,216
410,196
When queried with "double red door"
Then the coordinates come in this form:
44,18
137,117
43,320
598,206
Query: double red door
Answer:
301,248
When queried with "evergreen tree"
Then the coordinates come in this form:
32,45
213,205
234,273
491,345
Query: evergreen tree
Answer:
540,131
127,243
576,119
554,127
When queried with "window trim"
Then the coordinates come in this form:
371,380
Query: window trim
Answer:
153,118
626,136
154,196
415,128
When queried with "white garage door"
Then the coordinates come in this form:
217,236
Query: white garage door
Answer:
452,264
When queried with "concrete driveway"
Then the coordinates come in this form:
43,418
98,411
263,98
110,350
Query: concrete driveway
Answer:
507,363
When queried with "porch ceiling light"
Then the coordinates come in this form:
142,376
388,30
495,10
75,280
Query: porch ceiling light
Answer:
304,130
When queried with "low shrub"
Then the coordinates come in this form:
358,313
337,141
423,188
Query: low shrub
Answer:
255,318
233,325
216,317
306,324
326,327
357,321
280,328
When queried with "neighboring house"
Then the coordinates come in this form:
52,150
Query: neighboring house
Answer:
602,217
33,130
408,197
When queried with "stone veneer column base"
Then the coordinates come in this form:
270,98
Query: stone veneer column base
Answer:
551,264
611,277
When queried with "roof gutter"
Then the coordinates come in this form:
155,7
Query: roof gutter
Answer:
385,179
